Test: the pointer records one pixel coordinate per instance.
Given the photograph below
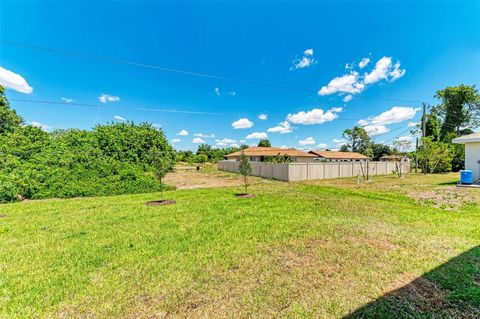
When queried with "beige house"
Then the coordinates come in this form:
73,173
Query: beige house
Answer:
472,153
333,156
258,154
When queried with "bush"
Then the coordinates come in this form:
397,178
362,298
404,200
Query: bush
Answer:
8,190
110,160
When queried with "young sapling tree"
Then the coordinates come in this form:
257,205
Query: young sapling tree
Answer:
245,169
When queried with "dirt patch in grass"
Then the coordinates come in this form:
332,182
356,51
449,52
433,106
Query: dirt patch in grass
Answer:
191,179
303,273
3,215
449,198
161,202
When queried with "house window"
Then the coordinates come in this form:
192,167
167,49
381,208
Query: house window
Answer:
252,159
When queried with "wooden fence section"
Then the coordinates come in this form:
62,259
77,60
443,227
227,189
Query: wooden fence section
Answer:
293,172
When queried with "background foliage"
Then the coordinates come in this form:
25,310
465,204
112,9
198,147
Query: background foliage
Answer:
117,158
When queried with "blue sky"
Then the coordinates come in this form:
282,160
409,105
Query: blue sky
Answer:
409,50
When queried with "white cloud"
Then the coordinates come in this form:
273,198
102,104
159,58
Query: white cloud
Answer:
226,141
218,92
322,146
43,126
338,140
14,81
354,83
242,124
156,125
183,133
204,135
363,63
396,114
413,124
305,61
198,140
175,140
308,141
67,100
384,70
347,98
374,130
315,116
243,141
104,98
405,138
119,118
262,117
348,83
257,135
396,73
282,128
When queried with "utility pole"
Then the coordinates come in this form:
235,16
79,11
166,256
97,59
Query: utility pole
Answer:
416,156
424,130
424,120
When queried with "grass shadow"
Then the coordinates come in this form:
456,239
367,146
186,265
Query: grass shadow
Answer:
451,290
448,183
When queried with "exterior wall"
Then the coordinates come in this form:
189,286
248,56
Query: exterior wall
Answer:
305,159
472,156
308,171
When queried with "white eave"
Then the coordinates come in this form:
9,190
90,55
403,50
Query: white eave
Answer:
471,138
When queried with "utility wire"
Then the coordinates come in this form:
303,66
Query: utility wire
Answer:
117,108
121,108
180,71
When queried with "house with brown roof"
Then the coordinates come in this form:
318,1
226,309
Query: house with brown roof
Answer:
333,156
259,154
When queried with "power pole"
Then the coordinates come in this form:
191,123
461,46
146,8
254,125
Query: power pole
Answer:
416,156
424,130
424,120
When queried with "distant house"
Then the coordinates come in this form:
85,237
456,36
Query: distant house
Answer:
332,156
393,158
259,154
472,152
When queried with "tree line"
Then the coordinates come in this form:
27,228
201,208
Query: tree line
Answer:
456,114
111,159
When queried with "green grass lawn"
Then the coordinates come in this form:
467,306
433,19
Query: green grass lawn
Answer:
303,250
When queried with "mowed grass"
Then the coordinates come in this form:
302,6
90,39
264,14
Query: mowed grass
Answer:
300,250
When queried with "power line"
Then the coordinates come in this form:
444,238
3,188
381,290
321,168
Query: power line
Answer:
180,71
117,108
145,109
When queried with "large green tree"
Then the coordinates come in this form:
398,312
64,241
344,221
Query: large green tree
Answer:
264,143
459,110
379,150
9,119
357,140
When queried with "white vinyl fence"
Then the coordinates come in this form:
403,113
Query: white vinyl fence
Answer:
293,172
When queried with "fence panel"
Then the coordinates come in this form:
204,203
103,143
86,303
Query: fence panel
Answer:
307,171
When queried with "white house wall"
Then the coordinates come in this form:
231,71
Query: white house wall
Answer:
472,156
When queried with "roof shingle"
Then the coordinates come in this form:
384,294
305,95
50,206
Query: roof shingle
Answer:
338,155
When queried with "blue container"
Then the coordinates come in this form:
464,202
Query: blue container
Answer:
466,177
